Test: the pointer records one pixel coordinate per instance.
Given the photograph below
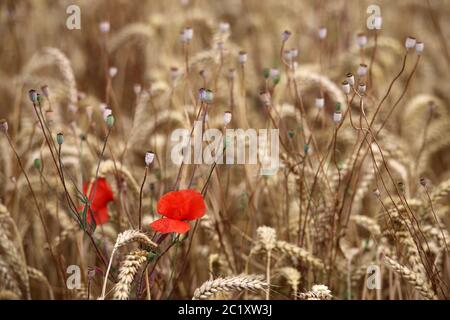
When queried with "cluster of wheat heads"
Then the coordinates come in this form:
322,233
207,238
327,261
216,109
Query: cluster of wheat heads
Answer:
357,210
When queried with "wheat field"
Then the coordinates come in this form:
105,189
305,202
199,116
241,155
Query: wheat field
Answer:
92,205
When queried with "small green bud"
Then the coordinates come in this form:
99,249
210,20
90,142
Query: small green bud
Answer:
338,106
110,121
276,80
306,148
266,73
38,164
291,133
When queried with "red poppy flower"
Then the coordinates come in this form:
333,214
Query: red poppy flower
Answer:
179,207
99,204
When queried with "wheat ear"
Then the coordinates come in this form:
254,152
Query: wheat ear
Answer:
232,283
415,279
127,272
124,238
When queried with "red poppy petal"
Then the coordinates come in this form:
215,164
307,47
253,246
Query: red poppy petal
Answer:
169,205
103,193
101,216
166,225
194,205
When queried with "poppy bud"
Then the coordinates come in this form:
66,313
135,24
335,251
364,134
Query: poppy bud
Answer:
60,138
3,126
104,26
266,73
285,35
306,148
37,164
350,78
362,70
320,103
419,47
242,57
149,157
361,40
33,96
346,87
410,42
322,32
110,121
291,134
227,117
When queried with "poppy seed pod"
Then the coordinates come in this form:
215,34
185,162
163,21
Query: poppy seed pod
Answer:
361,40
209,96
410,42
320,102
362,70
322,32
174,73
112,72
242,57
60,138
137,88
227,117
45,91
362,88
423,182
376,192
110,121
149,157
265,97
187,34
3,126
224,27
274,73
104,26
285,35
337,116
106,113
350,79
33,95
419,47
346,87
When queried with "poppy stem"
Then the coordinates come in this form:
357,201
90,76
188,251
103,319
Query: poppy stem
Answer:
140,197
